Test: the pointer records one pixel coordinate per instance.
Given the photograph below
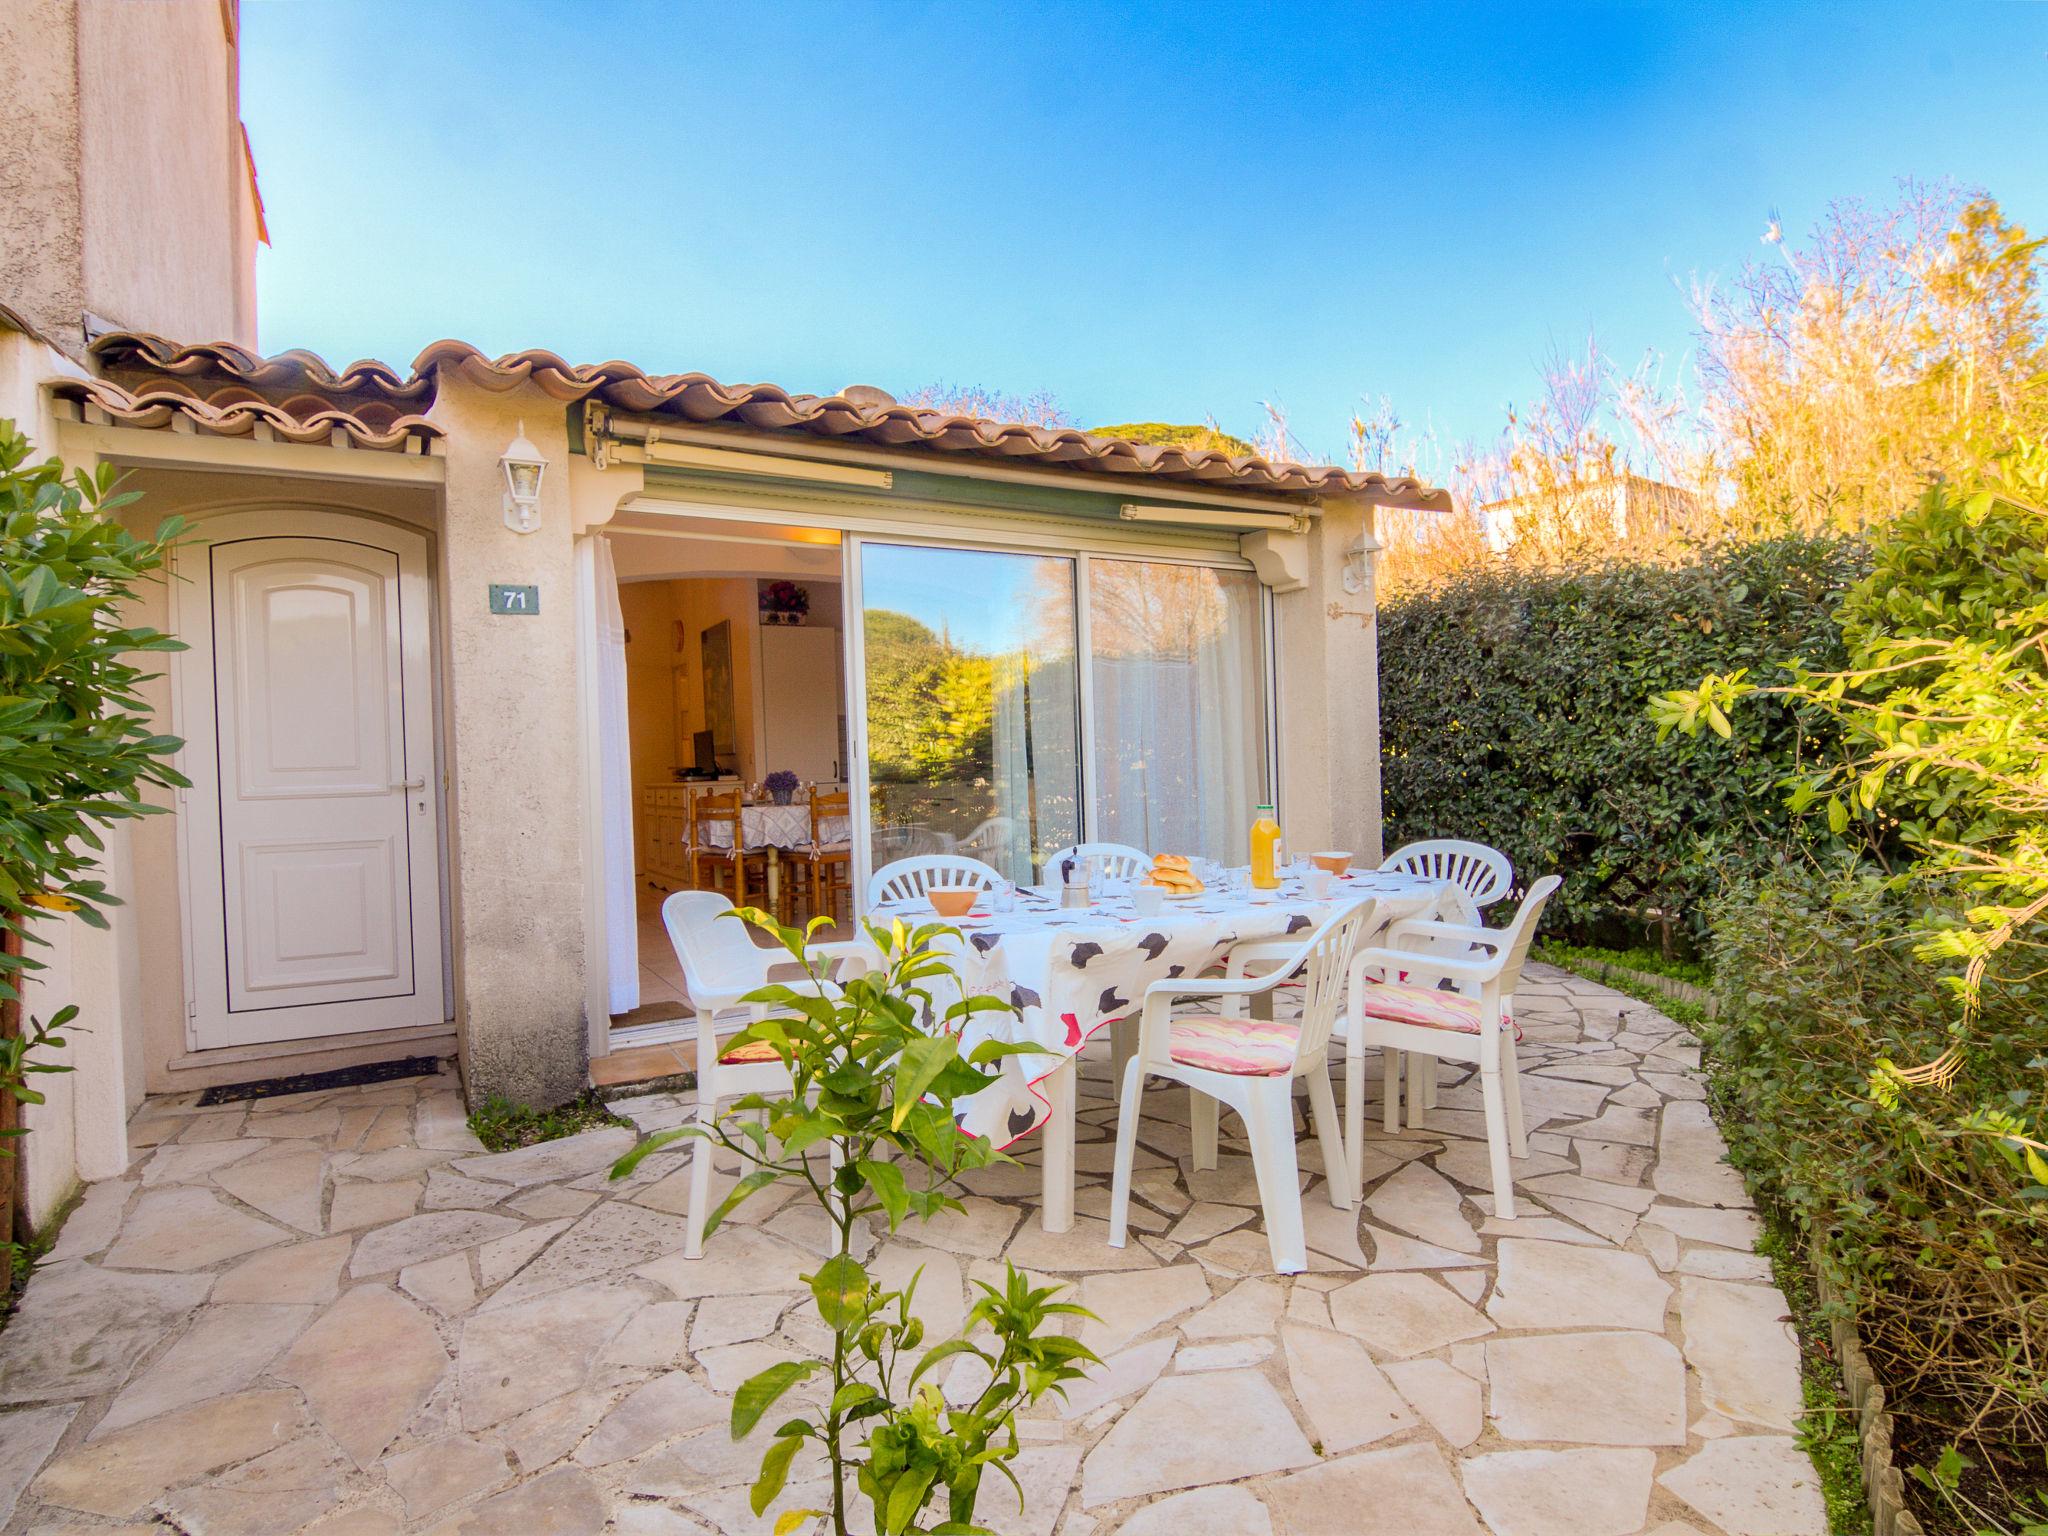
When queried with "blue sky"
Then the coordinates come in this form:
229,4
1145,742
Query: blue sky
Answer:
1160,213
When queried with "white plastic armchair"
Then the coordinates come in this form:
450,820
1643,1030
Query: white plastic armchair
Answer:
1250,1064
1396,1003
1119,861
721,965
1470,878
907,879
1482,874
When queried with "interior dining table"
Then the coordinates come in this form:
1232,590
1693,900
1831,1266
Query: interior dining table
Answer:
773,829
1071,972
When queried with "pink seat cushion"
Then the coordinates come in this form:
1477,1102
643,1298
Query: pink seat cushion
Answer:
1240,1047
1404,1003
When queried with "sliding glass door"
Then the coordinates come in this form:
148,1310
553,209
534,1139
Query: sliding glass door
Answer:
973,720
1019,702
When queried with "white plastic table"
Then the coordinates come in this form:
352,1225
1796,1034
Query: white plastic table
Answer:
1071,972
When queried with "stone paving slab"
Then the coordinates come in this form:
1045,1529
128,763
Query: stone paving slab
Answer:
336,1315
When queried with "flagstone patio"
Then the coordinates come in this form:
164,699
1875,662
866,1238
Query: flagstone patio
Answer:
335,1314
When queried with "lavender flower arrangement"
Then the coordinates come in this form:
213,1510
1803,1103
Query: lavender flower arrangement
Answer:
781,786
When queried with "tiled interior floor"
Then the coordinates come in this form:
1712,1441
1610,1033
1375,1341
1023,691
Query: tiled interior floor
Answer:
661,974
334,1315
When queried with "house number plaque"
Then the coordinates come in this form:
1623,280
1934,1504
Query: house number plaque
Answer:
506,598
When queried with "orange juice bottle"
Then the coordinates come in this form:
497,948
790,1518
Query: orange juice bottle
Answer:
1265,848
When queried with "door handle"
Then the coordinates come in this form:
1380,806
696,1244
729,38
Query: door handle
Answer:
411,784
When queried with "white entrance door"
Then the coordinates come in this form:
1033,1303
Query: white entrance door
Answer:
311,830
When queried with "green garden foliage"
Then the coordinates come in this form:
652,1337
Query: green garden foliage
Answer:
1511,705
1883,1073
931,704
1937,1238
76,744
77,748
867,1132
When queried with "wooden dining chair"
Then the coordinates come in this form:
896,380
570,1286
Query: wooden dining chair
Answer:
827,861
718,848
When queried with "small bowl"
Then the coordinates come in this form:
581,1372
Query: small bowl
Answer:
1336,863
954,903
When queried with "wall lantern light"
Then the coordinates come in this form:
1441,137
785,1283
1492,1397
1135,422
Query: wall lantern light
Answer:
524,468
1358,563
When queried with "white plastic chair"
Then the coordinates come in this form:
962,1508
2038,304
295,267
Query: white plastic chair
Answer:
1119,861
722,964
1406,1011
1473,877
1251,1065
1481,873
907,879
988,842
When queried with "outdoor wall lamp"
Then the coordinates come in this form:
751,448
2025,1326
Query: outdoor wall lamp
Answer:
1358,560
524,468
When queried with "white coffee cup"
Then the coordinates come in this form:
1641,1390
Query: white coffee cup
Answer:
1146,900
1320,883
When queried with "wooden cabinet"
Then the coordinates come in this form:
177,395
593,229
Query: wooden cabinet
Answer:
665,834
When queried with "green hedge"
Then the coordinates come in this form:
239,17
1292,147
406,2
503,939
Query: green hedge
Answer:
1512,708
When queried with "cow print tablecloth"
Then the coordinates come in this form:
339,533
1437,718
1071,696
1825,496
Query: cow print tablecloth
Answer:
1069,972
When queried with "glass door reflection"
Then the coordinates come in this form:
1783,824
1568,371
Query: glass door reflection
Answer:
973,724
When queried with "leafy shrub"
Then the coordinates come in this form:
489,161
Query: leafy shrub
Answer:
1892,1037
1511,703
874,1084
1935,1237
77,745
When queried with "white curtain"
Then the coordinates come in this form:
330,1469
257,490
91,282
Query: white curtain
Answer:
615,787
1006,838
1179,706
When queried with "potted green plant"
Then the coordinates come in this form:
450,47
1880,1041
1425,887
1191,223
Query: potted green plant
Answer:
868,1130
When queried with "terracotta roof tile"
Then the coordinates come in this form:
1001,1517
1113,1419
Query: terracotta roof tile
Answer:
227,414
132,357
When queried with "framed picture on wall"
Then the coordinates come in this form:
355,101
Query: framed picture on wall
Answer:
721,718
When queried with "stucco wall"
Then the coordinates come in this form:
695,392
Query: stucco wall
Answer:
42,243
161,168
515,793
124,190
1328,669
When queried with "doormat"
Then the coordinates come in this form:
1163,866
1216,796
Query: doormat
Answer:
316,1082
